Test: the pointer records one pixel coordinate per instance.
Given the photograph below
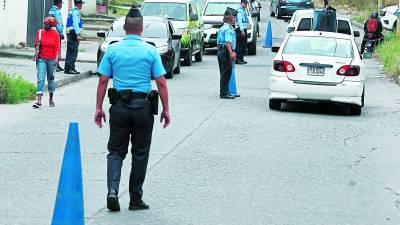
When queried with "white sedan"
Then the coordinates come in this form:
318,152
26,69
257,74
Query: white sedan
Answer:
318,66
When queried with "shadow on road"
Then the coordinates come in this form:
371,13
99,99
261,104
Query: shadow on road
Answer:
316,108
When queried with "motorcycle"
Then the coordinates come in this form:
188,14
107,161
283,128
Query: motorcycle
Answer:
371,41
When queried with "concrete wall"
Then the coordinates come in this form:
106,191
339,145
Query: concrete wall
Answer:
13,22
89,8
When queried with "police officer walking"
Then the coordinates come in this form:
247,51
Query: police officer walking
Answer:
241,32
226,41
56,13
74,30
131,63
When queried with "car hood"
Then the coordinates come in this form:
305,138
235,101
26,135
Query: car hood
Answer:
213,19
390,9
157,42
179,24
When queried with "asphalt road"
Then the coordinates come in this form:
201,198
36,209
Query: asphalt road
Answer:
230,162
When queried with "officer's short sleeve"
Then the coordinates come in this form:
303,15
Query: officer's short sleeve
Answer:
105,67
157,68
229,36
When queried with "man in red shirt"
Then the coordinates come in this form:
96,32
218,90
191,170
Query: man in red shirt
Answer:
48,40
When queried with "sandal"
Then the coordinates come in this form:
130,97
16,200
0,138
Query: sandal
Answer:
37,105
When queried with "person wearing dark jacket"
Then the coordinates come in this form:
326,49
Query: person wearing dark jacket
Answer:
372,31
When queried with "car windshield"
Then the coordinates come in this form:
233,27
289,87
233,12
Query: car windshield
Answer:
151,29
319,46
169,10
218,8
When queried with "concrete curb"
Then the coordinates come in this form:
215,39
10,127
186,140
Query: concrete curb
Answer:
73,78
28,55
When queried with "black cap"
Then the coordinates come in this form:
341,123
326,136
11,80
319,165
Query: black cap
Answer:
230,12
78,2
134,12
57,1
244,1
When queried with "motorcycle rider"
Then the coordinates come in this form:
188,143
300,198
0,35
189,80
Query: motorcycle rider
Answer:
372,30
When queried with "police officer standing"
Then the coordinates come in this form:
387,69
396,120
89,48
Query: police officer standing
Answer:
241,32
226,41
74,30
131,63
56,13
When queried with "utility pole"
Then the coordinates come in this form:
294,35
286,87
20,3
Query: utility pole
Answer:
398,18
380,5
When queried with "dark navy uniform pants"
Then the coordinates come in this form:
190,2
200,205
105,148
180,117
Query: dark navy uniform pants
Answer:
225,70
241,44
129,123
72,51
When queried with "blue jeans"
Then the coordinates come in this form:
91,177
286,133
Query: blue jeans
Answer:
45,66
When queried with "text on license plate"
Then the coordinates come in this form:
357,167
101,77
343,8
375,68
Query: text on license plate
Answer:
315,71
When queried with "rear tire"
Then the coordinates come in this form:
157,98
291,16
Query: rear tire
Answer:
278,13
199,56
272,13
275,104
355,110
252,47
187,61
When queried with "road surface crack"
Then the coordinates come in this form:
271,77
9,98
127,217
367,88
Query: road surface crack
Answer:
363,157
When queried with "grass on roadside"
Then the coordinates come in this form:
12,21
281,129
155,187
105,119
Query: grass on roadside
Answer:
388,53
14,89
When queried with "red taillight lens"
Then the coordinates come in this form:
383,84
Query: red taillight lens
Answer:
283,66
348,71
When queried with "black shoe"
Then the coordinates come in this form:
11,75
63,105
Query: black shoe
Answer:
112,200
141,205
69,72
76,72
240,62
227,96
59,68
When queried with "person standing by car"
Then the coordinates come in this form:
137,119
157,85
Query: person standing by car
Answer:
241,32
49,48
56,13
372,30
226,41
256,7
131,113
74,30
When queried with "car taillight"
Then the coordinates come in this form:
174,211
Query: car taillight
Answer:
283,66
348,71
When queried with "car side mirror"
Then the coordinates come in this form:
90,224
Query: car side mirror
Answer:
101,34
275,49
194,17
290,29
356,33
367,55
176,36
255,14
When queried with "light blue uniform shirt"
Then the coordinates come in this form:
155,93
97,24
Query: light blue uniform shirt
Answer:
56,13
74,21
242,18
226,34
131,62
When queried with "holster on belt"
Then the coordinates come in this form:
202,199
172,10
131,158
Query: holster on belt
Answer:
112,96
153,100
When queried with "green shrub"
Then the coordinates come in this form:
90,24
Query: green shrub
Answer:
14,89
388,53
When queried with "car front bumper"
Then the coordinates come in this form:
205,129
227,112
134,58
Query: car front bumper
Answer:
210,38
348,92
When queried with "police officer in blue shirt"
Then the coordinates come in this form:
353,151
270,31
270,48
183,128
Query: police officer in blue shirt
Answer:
56,13
74,30
226,41
131,63
241,32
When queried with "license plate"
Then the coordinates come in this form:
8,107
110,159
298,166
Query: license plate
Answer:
315,71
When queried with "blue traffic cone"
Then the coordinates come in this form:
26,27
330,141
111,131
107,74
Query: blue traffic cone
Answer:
69,208
268,36
232,83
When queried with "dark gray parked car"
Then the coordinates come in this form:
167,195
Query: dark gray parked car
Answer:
281,8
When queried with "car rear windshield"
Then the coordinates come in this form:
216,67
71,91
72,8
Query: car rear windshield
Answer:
151,29
218,8
319,46
169,10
